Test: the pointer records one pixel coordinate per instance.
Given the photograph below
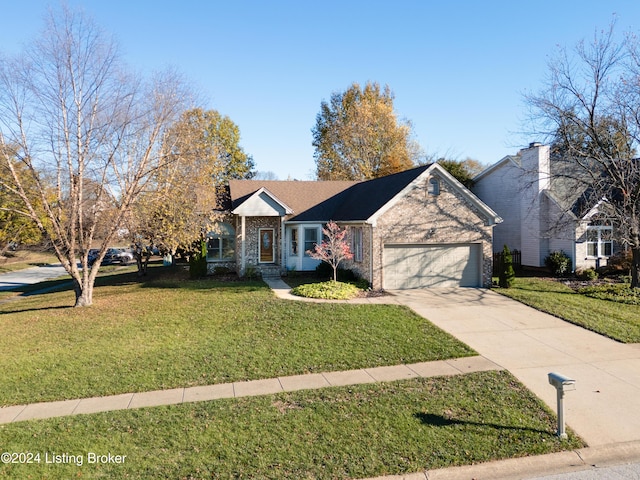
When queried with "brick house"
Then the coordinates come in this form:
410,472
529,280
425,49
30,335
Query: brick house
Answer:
417,228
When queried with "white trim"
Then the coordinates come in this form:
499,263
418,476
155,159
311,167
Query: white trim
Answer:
246,208
497,165
243,245
273,246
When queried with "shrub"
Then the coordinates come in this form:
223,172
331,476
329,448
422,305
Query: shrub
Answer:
559,263
620,292
198,262
327,290
221,271
506,276
589,274
251,272
619,263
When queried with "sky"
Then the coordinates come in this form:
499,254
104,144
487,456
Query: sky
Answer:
459,70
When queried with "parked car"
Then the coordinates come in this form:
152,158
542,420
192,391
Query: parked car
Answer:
126,256
112,256
93,254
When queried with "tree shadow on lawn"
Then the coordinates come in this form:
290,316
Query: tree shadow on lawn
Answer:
48,287
441,421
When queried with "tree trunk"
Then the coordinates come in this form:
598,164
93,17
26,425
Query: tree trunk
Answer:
84,294
635,264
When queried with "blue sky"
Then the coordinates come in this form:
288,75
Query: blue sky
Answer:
458,69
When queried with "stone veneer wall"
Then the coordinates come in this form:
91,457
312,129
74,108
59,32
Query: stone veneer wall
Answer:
423,218
252,225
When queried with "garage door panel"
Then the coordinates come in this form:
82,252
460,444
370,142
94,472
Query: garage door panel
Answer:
420,266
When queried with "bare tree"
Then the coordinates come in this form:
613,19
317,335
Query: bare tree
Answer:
87,133
590,111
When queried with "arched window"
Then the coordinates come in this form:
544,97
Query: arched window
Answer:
221,243
433,188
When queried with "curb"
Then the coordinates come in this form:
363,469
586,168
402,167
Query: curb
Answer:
583,459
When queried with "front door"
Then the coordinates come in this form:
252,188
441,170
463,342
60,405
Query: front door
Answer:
266,249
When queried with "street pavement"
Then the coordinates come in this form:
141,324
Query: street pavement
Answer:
30,276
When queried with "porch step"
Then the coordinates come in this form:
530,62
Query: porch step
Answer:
270,272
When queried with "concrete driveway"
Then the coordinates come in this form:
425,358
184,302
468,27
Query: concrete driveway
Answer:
604,408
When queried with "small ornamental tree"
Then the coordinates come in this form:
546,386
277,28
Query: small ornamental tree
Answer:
333,249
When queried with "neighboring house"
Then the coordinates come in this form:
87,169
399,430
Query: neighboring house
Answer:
417,228
544,210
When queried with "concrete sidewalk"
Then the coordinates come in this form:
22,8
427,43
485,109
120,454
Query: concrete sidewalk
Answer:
509,335
293,383
603,409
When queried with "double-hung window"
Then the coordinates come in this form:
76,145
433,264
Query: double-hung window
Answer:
599,241
310,239
221,243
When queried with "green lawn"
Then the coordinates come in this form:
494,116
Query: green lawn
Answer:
169,331
172,332
618,321
345,432
25,259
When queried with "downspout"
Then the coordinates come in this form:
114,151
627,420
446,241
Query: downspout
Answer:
371,256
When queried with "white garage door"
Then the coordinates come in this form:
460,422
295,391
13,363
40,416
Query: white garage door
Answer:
420,266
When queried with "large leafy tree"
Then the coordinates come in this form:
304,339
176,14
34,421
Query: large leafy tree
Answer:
590,110
358,136
15,224
87,136
462,170
204,152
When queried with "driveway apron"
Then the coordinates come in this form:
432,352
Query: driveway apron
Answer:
604,408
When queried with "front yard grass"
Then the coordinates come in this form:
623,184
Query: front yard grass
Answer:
343,432
22,259
170,332
615,320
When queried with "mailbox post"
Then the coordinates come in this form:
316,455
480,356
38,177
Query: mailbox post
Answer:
562,384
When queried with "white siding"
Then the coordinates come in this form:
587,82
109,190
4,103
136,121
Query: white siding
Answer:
502,194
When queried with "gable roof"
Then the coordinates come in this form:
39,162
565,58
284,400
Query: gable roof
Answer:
322,201
570,192
263,203
342,201
309,199
509,159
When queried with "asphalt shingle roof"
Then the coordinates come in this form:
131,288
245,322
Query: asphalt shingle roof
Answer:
322,201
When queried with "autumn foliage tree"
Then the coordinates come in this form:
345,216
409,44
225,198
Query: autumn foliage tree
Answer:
203,153
333,249
357,136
